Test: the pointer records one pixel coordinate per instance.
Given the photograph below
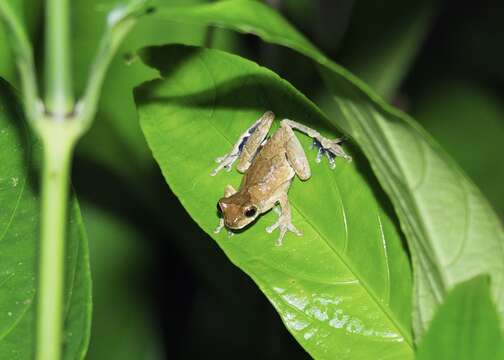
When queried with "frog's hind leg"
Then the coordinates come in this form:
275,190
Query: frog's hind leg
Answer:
251,144
247,145
228,191
332,148
284,222
295,154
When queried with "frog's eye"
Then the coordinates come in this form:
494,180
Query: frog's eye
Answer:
250,212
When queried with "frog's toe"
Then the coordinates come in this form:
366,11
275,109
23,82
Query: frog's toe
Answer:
225,162
272,228
320,152
219,227
284,228
293,229
330,157
331,149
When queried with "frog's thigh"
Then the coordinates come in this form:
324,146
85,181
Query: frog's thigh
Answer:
296,155
253,143
229,190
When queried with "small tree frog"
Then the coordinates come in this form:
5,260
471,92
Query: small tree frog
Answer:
269,166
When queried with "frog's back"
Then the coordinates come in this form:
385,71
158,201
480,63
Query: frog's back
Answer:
270,168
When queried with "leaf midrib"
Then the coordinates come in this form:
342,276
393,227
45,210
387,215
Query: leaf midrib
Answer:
367,289
359,278
365,286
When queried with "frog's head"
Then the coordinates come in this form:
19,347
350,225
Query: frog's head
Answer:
237,210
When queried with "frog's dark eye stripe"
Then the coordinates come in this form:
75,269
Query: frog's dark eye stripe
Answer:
250,212
219,209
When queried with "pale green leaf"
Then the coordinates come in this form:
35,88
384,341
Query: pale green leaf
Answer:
343,289
452,232
450,109
19,230
465,327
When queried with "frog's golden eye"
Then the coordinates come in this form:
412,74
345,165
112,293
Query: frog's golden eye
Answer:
251,211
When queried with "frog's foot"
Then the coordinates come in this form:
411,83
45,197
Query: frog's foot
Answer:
247,145
330,148
221,226
284,224
225,162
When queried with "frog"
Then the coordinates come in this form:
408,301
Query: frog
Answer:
269,165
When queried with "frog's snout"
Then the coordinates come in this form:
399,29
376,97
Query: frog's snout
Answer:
234,223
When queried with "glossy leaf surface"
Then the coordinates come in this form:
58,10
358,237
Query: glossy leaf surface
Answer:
466,326
343,289
19,229
452,232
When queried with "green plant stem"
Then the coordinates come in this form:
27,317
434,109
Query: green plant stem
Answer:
58,81
59,125
119,23
56,130
58,146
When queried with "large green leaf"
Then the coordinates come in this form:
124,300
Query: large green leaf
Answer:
19,229
466,326
452,232
448,109
343,289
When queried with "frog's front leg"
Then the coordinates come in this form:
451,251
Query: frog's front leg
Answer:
331,148
228,191
247,145
284,222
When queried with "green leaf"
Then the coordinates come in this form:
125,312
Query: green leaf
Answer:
452,108
449,225
344,287
19,229
465,327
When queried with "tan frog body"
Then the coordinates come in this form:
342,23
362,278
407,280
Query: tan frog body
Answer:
269,166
